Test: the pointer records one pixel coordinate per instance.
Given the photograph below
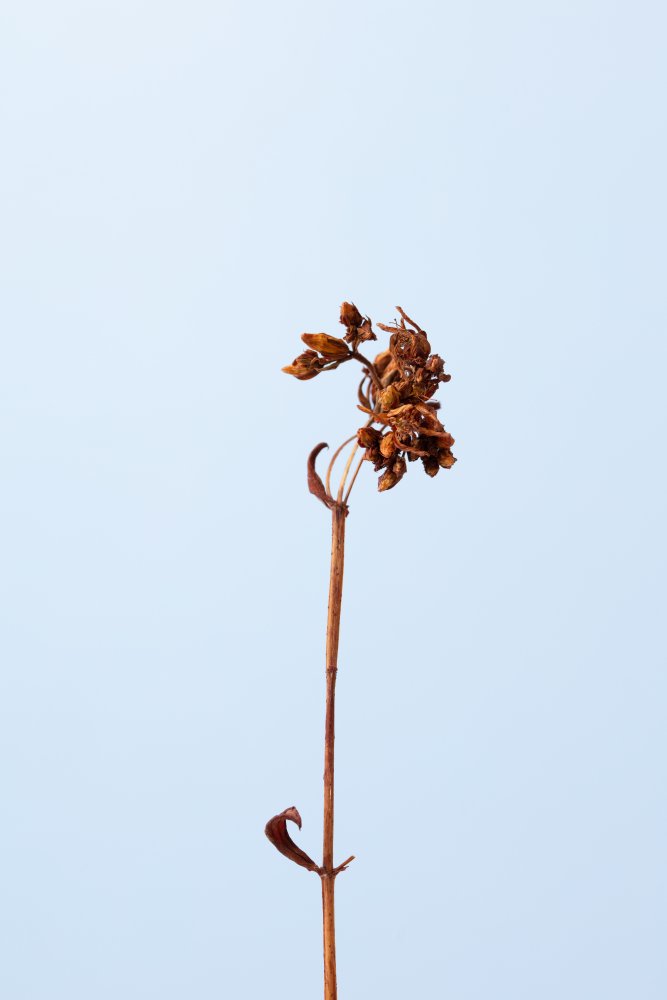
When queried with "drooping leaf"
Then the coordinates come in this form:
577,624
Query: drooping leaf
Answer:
276,831
315,484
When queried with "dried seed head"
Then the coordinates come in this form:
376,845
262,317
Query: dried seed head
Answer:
396,393
359,328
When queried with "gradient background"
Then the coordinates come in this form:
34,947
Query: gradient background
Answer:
185,189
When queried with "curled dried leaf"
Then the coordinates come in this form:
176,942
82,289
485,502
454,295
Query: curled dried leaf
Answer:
276,831
315,484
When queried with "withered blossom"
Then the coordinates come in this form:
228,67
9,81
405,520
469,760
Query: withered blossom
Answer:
395,393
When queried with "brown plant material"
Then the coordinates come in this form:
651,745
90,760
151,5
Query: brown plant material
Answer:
276,831
396,395
315,484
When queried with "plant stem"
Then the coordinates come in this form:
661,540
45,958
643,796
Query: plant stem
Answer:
328,875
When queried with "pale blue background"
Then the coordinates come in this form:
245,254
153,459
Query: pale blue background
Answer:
185,189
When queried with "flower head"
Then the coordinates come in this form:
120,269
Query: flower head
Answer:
396,393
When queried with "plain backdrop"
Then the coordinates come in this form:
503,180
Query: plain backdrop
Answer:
185,188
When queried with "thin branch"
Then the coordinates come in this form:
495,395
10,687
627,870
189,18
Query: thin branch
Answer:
345,472
372,371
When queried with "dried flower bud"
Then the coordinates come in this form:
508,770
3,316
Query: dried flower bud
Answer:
350,315
431,466
368,437
446,459
330,347
388,445
307,365
387,480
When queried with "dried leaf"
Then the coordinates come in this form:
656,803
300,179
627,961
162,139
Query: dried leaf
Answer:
276,831
315,484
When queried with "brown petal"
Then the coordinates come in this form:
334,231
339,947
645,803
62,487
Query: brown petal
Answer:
330,347
365,331
276,831
315,484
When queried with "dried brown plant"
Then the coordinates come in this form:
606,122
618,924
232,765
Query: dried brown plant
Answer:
396,396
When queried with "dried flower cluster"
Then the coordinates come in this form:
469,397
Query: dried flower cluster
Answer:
396,392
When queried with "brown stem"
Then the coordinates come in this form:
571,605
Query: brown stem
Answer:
328,873
372,370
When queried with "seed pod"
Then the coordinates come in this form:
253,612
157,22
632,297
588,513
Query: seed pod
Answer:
330,347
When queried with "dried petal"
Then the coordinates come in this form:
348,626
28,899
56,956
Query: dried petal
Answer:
431,466
365,331
276,831
330,347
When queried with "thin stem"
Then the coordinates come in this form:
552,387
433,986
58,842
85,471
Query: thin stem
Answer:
354,478
372,371
327,482
345,472
328,875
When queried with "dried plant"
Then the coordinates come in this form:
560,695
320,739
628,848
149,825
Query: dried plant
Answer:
396,396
